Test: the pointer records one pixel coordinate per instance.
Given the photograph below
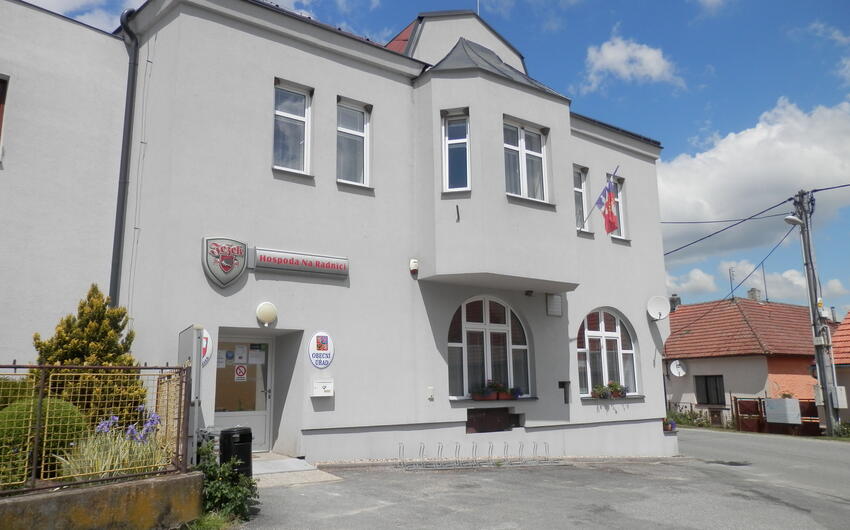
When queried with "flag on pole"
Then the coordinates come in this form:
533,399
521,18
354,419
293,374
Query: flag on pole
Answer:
605,202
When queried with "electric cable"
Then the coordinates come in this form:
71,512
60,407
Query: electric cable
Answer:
728,227
830,188
723,220
732,292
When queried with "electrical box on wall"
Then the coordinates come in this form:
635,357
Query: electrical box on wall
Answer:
323,387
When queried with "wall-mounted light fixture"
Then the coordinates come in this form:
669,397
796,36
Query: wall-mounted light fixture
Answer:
414,266
266,313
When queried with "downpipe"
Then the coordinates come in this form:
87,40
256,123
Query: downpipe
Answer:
131,40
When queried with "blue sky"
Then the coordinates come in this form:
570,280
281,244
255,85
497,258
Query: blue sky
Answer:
750,98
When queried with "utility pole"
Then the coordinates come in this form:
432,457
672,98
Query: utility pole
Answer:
804,204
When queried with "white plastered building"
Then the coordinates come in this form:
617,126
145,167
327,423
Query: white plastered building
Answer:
420,215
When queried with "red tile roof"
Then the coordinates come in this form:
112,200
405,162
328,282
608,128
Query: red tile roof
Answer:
739,326
841,342
399,42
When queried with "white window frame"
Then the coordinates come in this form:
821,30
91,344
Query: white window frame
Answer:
486,327
619,207
447,142
523,152
604,335
308,103
367,116
585,218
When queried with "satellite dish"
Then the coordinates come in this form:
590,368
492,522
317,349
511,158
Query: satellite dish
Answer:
677,368
658,307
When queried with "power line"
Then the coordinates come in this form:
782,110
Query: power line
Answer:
727,227
723,220
732,292
830,188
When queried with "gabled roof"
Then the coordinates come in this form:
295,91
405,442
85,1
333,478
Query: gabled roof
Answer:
401,42
841,342
739,326
470,55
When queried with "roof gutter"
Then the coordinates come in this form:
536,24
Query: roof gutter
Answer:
131,40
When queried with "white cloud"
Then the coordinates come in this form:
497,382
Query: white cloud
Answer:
629,61
374,4
500,7
694,282
843,70
381,36
552,24
67,6
711,7
829,32
101,19
787,285
744,172
343,6
834,287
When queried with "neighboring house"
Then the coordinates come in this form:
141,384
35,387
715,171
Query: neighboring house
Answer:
841,359
743,347
417,213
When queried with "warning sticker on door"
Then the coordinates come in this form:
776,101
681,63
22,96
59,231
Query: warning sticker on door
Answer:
240,373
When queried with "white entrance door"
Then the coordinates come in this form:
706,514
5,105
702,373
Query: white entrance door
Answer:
243,388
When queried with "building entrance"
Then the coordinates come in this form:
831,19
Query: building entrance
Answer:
243,388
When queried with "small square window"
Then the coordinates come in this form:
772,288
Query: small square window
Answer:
525,168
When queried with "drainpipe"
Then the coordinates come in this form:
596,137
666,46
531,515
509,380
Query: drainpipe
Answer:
131,40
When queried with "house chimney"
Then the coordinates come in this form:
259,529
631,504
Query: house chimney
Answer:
834,314
754,294
675,301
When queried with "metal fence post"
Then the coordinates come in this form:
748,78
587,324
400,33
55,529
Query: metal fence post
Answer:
37,436
184,420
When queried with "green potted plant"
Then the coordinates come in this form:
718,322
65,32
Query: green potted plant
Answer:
600,392
499,389
616,390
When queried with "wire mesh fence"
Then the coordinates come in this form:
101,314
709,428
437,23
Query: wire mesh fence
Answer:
64,425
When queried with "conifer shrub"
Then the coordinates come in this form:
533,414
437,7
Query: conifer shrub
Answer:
95,336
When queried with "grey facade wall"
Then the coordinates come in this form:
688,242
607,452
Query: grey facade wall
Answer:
202,166
59,158
437,35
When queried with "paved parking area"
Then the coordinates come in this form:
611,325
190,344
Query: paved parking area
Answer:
668,493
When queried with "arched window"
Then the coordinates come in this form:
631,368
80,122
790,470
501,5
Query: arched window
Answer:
487,342
606,352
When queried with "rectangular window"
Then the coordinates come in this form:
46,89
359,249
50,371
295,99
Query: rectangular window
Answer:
618,207
709,389
456,153
4,84
292,128
525,169
579,187
352,144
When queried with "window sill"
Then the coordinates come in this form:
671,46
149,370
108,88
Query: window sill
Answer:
520,198
630,397
620,240
457,190
295,172
587,234
457,399
354,184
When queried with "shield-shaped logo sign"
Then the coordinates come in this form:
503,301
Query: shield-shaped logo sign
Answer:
224,259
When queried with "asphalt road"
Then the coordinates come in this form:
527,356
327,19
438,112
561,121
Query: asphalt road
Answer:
810,464
729,480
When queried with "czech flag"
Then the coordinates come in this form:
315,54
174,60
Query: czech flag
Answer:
605,202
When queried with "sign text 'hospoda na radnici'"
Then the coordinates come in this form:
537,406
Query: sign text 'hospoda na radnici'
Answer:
295,261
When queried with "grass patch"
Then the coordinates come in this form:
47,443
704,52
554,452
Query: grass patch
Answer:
210,521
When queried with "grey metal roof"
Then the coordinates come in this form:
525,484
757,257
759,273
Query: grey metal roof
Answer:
470,55
616,129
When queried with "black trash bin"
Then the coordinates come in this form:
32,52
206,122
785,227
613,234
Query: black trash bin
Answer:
236,441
